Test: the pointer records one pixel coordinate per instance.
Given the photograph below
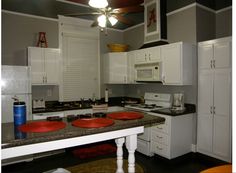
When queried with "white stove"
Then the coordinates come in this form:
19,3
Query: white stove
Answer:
153,101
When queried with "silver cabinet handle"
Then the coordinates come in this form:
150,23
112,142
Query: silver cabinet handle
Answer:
145,57
214,110
159,148
160,137
43,79
211,110
46,79
149,57
211,63
159,127
214,61
163,79
125,79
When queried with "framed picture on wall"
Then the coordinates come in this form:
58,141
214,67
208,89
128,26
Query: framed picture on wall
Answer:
152,21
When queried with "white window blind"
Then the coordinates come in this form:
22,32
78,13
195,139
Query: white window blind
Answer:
80,66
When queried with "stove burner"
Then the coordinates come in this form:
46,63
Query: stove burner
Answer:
146,106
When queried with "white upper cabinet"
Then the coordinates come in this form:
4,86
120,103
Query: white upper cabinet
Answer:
44,64
115,68
131,70
148,55
214,54
177,63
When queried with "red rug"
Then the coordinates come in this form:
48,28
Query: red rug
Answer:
93,151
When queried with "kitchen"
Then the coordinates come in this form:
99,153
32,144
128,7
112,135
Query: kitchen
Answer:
191,24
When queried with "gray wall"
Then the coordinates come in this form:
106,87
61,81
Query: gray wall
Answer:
181,26
224,23
19,32
134,37
205,25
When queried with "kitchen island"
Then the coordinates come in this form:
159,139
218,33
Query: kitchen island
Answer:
15,143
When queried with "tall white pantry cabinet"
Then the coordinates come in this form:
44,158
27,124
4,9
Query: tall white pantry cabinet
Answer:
214,98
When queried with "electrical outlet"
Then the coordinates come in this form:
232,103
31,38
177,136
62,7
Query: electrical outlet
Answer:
49,92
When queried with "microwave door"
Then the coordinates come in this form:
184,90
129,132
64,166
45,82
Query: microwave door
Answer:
145,74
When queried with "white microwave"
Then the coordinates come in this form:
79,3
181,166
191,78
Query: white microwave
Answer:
148,72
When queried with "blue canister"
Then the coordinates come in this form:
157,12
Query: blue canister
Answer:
19,109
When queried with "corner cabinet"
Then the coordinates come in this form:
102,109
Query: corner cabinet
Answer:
45,65
118,67
177,63
214,99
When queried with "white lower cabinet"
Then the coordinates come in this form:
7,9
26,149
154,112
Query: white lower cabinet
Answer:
174,137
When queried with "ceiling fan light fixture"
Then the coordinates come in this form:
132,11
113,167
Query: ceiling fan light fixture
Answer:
98,3
102,21
112,20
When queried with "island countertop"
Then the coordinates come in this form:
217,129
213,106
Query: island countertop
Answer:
11,137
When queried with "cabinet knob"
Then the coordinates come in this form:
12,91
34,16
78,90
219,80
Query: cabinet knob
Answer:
214,61
211,63
211,109
159,148
214,110
159,127
159,137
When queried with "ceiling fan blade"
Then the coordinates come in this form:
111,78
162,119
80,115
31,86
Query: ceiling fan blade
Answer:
85,2
123,19
123,3
131,9
94,24
83,14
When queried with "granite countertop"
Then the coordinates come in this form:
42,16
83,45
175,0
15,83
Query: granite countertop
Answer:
11,137
55,106
189,108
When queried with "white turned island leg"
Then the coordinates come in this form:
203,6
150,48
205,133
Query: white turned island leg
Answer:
119,153
131,145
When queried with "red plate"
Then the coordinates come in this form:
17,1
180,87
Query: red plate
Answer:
42,126
125,115
93,122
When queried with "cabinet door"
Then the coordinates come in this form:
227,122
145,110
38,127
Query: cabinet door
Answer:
172,64
222,103
117,67
52,66
36,59
222,55
131,69
205,55
140,57
205,113
153,54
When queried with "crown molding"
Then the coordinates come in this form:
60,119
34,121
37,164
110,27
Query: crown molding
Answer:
29,15
198,5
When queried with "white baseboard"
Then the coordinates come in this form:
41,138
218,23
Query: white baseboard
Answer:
194,148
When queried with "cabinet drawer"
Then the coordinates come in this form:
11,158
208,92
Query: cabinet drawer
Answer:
160,149
161,128
160,137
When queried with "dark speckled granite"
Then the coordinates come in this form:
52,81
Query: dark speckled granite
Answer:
189,108
9,135
55,106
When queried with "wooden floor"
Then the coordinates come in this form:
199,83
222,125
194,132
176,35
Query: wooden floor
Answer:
189,163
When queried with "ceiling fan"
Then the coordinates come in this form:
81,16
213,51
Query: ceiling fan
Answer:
110,11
